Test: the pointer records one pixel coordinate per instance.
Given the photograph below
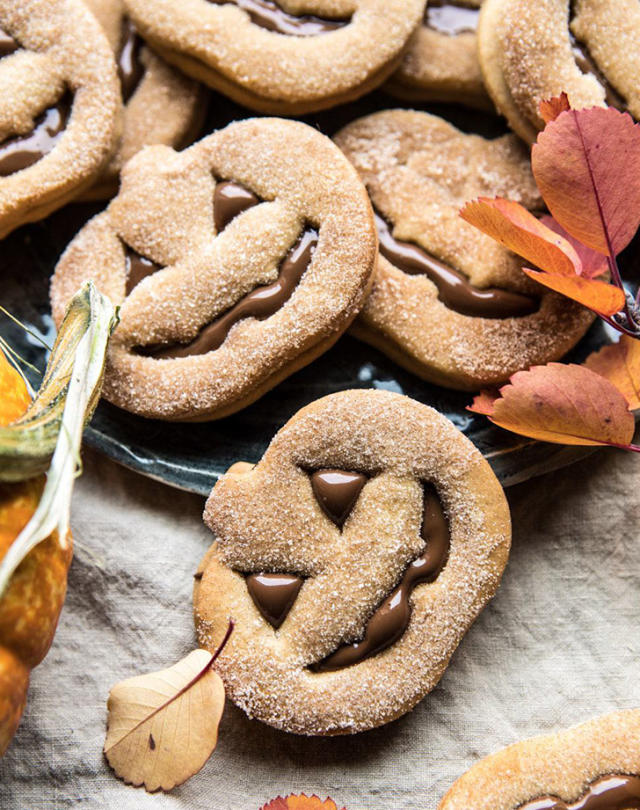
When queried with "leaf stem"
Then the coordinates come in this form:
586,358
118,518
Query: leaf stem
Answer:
619,327
223,643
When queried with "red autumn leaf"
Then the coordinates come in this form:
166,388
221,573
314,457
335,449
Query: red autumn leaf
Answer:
564,404
603,298
587,166
300,802
620,364
551,109
519,230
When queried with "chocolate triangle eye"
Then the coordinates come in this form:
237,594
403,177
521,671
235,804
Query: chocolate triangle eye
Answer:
229,200
274,595
337,492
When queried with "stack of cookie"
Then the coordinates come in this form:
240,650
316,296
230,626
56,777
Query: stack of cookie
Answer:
360,549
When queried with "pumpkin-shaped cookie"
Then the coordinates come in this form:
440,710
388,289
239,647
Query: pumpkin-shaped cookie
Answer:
352,558
289,56
59,106
448,302
531,52
235,262
594,766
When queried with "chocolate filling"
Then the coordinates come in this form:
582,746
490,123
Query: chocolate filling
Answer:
130,67
454,289
615,792
22,151
391,619
8,44
337,491
138,268
268,14
587,65
451,18
274,595
260,303
230,199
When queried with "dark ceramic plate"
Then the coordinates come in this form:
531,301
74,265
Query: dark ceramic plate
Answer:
192,457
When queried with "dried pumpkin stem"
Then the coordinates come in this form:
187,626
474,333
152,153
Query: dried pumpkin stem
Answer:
76,397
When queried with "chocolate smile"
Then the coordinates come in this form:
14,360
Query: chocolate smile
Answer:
268,14
454,289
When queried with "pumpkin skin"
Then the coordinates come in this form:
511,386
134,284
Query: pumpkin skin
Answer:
31,605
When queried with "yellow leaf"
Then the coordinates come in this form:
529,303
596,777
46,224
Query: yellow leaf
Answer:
163,727
620,364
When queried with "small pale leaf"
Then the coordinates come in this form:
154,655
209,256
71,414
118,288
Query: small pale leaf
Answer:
565,404
620,364
162,727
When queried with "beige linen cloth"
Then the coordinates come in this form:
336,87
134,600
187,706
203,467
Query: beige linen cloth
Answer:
559,643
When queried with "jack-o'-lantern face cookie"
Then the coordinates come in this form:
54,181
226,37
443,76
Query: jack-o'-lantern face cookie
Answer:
448,302
161,104
441,60
530,52
236,262
59,106
594,766
352,558
281,56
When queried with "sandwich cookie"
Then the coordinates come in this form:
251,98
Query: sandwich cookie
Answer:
448,302
235,262
352,558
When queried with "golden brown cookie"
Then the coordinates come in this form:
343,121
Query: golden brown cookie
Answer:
236,262
449,303
161,104
286,57
352,558
594,766
441,61
530,52
59,106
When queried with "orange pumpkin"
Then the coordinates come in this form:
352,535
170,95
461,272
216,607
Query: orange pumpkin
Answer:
31,605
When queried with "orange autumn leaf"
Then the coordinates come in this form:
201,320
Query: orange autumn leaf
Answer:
551,109
586,164
14,394
603,298
567,267
593,263
564,404
519,230
620,364
300,802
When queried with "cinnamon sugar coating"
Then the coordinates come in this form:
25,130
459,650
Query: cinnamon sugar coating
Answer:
437,66
419,171
267,519
526,55
62,51
166,107
279,73
164,211
562,765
